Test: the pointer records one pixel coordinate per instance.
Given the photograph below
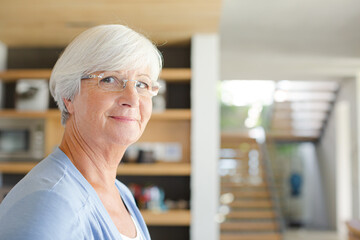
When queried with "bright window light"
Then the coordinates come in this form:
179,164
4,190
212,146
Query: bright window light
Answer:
247,92
280,96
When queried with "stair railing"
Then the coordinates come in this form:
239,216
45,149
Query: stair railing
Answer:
272,186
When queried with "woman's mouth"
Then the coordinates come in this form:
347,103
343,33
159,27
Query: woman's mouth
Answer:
124,118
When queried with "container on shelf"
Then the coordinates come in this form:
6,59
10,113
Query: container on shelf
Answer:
32,95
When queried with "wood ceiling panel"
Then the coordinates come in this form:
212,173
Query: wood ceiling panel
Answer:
55,23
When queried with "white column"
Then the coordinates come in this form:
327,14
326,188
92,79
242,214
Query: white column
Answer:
343,167
205,136
357,79
3,61
3,56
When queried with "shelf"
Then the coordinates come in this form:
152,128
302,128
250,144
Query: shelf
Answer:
168,74
172,114
133,169
30,114
16,167
155,169
176,74
169,114
14,74
168,218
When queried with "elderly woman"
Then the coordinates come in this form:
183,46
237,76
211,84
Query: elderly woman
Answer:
103,84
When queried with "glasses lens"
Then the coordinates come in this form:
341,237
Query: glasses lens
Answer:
117,83
155,89
112,83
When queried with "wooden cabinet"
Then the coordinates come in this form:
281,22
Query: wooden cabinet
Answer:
171,125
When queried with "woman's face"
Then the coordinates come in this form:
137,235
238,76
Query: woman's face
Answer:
111,117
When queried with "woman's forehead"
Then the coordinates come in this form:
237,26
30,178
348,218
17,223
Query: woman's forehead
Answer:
132,72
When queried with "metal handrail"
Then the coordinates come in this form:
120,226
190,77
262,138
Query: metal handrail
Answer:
271,185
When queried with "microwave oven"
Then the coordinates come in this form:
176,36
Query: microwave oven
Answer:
22,139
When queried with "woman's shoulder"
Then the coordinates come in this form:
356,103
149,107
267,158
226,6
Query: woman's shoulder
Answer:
41,214
50,179
45,204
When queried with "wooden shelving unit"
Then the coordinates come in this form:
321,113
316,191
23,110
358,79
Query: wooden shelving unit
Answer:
30,114
162,124
16,167
170,114
155,169
168,218
168,74
131,169
171,125
14,74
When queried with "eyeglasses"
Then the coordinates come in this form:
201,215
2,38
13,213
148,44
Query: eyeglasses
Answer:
115,82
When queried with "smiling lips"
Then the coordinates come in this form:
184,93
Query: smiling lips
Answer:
124,118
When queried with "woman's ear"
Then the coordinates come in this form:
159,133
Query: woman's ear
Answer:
69,105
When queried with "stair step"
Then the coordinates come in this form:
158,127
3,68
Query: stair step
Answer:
247,185
250,194
244,168
251,216
243,189
251,204
248,214
242,161
249,226
244,177
240,157
251,236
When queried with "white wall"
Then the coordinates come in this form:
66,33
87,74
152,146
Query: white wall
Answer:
3,56
343,166
314,212
205,137
327,154
3,64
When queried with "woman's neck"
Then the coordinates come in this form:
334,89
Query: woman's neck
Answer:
96,162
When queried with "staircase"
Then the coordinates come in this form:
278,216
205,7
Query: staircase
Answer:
251,212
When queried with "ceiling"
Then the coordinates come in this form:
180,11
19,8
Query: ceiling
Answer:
305,41
290,39
41,23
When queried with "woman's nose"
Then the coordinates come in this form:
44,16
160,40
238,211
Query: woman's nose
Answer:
129,95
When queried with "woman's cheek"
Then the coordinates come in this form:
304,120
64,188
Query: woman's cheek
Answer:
146,110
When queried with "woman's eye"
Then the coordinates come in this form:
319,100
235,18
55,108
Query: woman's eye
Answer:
142,85
108,80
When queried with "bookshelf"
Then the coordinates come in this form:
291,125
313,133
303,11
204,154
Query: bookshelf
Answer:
171,125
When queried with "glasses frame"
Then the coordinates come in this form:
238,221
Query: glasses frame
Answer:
101,76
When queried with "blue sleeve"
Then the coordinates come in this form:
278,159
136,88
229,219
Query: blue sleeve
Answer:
42,215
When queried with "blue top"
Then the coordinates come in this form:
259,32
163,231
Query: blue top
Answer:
54,201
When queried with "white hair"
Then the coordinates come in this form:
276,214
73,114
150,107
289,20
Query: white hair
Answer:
102,48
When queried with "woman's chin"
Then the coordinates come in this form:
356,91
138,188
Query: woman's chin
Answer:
124,139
